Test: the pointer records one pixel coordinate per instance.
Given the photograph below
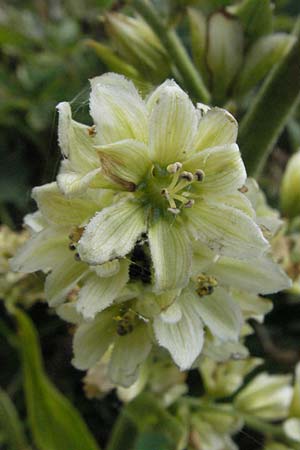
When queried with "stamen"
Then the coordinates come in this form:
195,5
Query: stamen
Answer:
174,211
76,234
188,176
206,284
189,203
243,189
173,168
199,175
125,323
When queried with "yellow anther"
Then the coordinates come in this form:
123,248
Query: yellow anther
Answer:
76,234
206,284
125,323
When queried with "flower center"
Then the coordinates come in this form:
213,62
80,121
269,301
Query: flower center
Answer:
171,188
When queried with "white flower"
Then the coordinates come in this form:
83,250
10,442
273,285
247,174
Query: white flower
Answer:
179,170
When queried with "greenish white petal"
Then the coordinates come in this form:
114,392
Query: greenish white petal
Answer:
171,254
224,170
172,314
117,109
183,339
252,305
226,230
76,141
292,428
61,210
73,183
107,269
217,127
220,314
129,352
63,278
99,293
68,312
125,162
41,252
112,233
92,339
260,275
172,123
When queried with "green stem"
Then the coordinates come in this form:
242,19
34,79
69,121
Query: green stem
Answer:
270,110
124,433
266,428
179,56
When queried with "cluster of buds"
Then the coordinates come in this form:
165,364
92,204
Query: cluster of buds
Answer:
154,229
233,48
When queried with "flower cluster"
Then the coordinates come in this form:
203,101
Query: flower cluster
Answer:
151,225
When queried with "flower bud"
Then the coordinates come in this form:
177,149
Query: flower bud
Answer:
224,52
266,396
290,187
223,379
137,44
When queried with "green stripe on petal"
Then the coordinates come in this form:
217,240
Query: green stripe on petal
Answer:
226,230
129,352
63,278
125,162
183,339
171,254
117,109
216,127
173,122
99,293
92,339
61,210
223,168
112,233
41,252
220,314
259,275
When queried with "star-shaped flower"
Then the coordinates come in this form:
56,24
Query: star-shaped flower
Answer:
178,167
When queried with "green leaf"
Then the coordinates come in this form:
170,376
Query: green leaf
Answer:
256,17
54,422
270,109
11,425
